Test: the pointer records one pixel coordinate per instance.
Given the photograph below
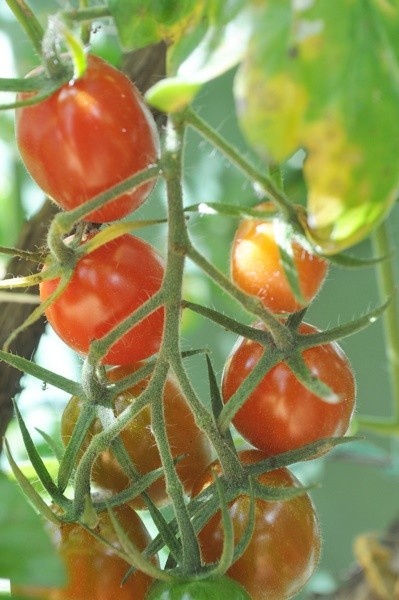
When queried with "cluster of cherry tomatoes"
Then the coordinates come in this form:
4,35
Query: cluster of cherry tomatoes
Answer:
61,143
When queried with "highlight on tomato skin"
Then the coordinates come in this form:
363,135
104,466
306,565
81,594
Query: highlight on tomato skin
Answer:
284,550
188,443
93,571
257,269
88,136
281,414
106,287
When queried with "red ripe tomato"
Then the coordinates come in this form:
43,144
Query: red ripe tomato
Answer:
285,546
88,136
106,287
184,438
94,572
257,269
281,414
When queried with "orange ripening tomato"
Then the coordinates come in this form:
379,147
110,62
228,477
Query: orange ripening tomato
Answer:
88,136
93,571
281,414
107,285
256,266
185,439
285,546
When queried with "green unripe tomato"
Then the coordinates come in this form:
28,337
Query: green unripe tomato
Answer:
203,589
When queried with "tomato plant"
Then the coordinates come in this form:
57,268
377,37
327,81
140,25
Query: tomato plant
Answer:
116,302
185,439
285,545
88,136
202,589
257,268
107,285
93,570
281,413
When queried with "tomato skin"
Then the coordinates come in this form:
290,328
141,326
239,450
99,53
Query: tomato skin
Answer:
106,287
94,572
281,414
88,136
256,267
285,547
139,441
222,588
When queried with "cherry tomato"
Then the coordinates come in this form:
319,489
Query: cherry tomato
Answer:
285,546
106,287
257,269
222,588
281,414
94,572
88,136
184,437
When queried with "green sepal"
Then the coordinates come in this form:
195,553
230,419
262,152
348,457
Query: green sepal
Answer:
347,329
227,555
283,234
134,555
72,449
249,529
217,402
285,459
310,381
37,461
31,368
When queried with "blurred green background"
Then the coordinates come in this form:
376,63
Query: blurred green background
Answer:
357,485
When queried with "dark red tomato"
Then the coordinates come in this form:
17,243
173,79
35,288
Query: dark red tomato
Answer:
107,286
257,269
281,414
184,438
222,588
94,572
285,547
88,136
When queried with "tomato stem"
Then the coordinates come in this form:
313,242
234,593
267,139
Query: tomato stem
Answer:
255,175
172,286
381,239
29,22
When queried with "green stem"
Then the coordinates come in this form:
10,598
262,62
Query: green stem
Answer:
28,21
86,14
172,286
236,157
386,283
64,221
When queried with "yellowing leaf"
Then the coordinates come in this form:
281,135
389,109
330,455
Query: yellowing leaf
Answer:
324,76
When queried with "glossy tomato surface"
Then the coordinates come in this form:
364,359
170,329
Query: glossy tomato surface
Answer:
257,269
281,414
285,547
222,588
94,572
88,136
184,438
106,287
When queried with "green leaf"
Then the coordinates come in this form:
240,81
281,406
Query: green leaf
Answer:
202,55
143,22
324,76
27,555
